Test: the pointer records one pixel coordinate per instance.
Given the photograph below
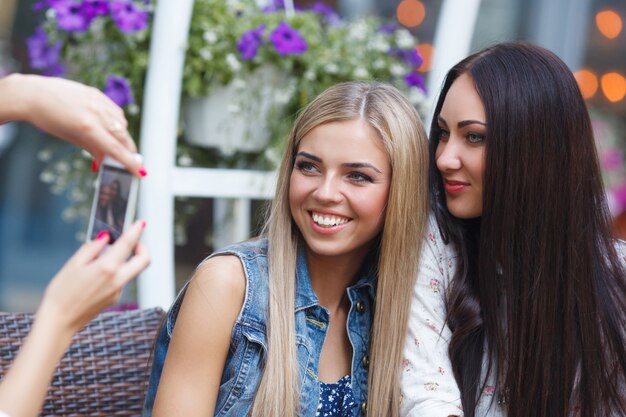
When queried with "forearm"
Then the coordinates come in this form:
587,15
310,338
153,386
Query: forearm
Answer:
14,98
24,388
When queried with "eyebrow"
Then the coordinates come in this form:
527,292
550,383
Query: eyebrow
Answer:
462,123
349,165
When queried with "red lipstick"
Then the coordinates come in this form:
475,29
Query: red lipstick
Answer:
453,186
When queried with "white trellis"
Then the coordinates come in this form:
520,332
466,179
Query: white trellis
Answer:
159,131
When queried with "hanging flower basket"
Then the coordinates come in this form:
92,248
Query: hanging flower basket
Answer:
234,117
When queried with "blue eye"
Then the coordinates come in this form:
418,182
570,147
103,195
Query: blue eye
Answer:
305,166
359,177
475,138
444,135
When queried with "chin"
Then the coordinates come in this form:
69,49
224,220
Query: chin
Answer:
464,212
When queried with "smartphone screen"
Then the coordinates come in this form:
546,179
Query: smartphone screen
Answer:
111,202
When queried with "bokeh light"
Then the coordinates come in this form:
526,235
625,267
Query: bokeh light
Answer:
411,13
587,82
426,51
613,86
609,23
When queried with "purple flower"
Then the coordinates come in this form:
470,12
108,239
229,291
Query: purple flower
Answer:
41,54
274,6
43,4
118,89
128,17
388,28
94,8
287,40
330,16
249,42
54,70
413,79
410,56
413,57
70,16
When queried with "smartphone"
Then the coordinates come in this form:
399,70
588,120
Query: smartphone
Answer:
114,200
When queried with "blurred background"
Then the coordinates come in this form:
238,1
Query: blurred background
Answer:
42,215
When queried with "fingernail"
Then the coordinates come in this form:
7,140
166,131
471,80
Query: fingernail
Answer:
103,234
142,171
143,224
94,165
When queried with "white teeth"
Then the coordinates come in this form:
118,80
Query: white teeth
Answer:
328,220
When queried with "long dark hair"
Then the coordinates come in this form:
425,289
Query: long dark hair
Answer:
540,287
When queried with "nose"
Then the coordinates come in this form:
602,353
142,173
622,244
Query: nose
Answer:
447,156
328,190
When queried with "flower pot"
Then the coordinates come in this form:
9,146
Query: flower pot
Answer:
233,117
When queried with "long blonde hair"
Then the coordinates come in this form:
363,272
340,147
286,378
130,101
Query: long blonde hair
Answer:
399,127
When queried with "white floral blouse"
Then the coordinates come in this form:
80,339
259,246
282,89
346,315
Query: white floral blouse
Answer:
428,385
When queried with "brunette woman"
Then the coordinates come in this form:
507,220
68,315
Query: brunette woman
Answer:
533,294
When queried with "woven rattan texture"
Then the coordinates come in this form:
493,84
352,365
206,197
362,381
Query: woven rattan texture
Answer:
104,372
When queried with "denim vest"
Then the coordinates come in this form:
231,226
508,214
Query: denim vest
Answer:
242,370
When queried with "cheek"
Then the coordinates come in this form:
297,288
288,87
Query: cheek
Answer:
478,164
374,205
293,191
299,188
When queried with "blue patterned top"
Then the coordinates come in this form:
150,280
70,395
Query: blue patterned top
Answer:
336,400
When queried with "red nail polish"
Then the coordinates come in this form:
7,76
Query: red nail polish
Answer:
94,165
103,234
142,171
143,224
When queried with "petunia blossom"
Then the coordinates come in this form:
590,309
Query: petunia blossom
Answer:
330,16
42,55
413,57
94,8
128,17
410,56
274,6
44,4
287,40
413,79
388,28
118,89
70,16
248,44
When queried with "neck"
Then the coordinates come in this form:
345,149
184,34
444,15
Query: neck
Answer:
330,276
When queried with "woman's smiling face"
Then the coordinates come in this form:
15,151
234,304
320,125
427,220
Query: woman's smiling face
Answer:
460,154
339,188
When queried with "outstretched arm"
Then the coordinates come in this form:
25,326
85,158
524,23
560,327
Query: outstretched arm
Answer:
74,112
81,289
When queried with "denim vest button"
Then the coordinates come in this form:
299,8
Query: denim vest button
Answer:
360,306
366,361
364,407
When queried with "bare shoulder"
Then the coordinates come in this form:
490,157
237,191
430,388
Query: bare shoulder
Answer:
201,339
219,284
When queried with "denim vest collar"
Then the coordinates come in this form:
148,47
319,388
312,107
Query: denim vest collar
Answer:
305,296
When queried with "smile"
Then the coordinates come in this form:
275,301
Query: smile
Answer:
328,220
453,186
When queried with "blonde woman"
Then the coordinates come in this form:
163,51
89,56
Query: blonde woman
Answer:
310,318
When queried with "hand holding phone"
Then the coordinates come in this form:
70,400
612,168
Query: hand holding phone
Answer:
115,200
